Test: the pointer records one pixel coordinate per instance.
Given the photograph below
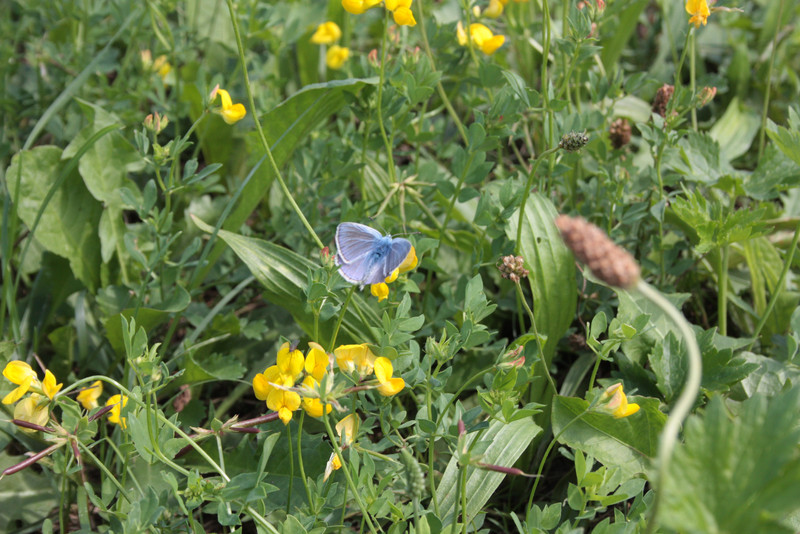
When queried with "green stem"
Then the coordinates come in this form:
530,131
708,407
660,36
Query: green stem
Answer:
300,462
538,339
722,298
339,319
463,484
109,475
765,107
669,435
439,87
261,135
386,142
348,477
773,299
693,75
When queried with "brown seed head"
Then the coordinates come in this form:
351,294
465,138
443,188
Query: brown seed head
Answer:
607,261
620,133
513,268
661,99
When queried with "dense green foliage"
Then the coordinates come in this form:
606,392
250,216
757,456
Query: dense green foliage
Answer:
173,175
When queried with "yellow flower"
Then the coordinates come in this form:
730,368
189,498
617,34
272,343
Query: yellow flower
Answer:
383,372
346,429
481,36
290,362
351,358
162,67
327,33
495,9
88,396
317,361
31,410
618,404
21,374
229,111
410,263
336,56
49,385
698,9
404,17
284,402
262,382
357,7
118,402
379,290
312,405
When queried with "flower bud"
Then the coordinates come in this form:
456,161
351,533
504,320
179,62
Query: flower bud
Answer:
573,141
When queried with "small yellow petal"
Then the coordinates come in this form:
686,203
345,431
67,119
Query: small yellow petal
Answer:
33,411
336,56
391,387
327,33
380,290
495,9
410,263
88,396
49,385
347,429
18,392
404,17
383,369
118,402
17,372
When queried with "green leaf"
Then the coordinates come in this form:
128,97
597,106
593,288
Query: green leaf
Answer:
738,474
627,444
68,225
284,275
504,444
27,496
289,125
204,367
632,305
735,130
552,270
787,140
776,172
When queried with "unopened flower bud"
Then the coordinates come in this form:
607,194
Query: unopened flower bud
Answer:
573,141
706,95
620,133
372,58
661,99
607,261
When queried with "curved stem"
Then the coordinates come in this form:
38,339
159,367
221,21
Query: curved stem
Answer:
260,130
339,320
669,435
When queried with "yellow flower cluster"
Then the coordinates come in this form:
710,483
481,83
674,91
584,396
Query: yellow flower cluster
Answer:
327,34
35,407
481,36
278,384
381,290
401,9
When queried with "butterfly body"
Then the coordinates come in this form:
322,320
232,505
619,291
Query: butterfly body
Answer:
365,256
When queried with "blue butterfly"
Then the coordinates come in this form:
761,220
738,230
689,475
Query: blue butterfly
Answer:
365,256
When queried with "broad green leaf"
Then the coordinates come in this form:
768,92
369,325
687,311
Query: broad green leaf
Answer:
735,130
736,474
505,443
552,270
283,273
27,496
286,127
68,226
628,443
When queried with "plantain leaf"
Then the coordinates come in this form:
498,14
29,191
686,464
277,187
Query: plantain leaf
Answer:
552,270
283,273
504,444
68,224
626,443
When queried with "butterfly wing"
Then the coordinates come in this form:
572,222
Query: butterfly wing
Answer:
355,242
355,272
